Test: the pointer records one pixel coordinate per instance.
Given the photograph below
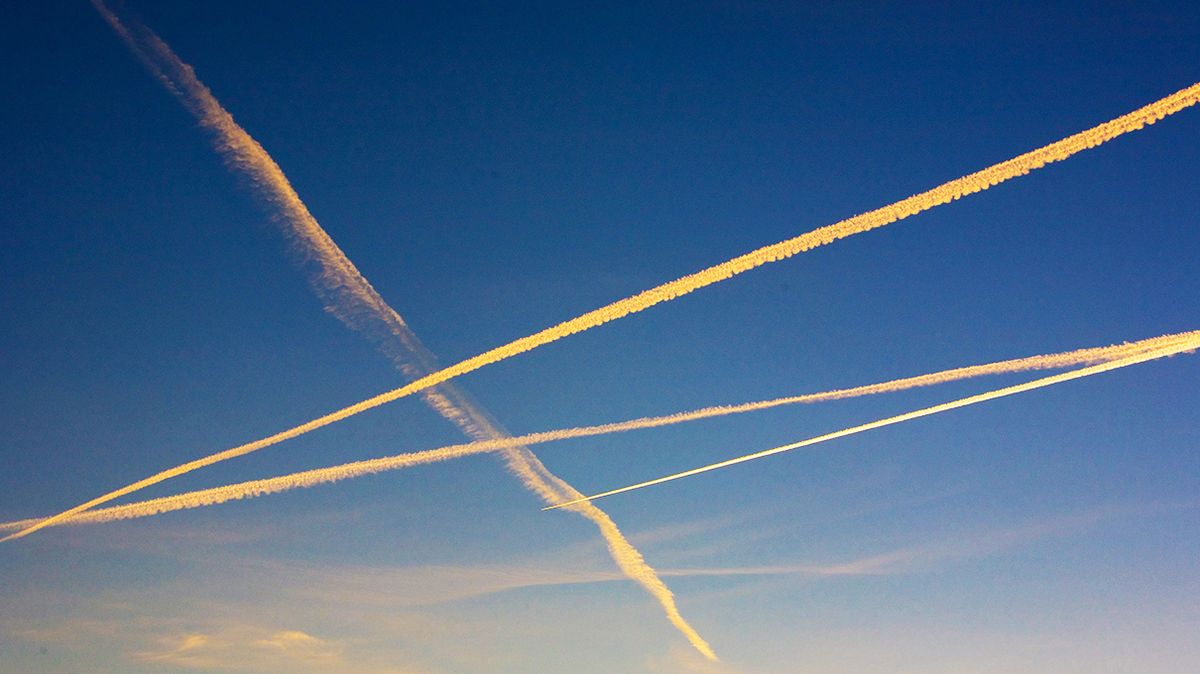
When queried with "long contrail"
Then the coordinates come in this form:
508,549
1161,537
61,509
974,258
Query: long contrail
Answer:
1188,345
318,476
349,296
959,187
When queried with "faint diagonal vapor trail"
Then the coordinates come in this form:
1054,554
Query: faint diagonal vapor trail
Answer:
950,191
318,476
350,297
1189,345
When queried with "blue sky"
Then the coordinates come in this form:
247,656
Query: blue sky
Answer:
496,169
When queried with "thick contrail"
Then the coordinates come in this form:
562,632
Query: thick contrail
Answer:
349,296
318,476
969,184
1188,345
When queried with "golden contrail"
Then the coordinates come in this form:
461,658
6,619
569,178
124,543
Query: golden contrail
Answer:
1189,345
959,187
349,296
318,476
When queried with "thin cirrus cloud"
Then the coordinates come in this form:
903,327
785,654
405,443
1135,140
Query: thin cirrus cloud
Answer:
243,647
349,296
318,476
127,630
943,194
442,584
433,584
318,597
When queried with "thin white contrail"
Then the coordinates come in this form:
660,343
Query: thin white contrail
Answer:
318,476
1189,345
349,296
955,189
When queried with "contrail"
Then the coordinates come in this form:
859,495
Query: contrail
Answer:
349,296
1189,345
318,476
955,189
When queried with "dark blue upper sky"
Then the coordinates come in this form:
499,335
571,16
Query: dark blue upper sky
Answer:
494,168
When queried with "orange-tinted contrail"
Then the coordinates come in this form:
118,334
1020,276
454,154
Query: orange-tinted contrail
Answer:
1188,345
349,296
959,187
312,478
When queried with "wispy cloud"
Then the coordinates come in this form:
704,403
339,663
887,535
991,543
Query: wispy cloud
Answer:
170,644
921,557
390,609
245,647
439,584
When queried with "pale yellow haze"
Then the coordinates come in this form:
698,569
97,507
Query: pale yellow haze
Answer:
969,184
318,476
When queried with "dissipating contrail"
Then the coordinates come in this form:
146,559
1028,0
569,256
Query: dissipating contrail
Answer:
319,476
1189,345
945,193
350,297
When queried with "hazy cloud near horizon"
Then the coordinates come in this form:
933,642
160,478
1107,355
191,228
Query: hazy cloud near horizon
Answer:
292,616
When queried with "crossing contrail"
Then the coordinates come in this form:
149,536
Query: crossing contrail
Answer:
350,297
950,191
1188,345
318,476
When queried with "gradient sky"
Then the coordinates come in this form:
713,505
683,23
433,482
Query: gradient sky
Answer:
493,169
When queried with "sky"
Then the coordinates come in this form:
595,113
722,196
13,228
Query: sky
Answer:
493,169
